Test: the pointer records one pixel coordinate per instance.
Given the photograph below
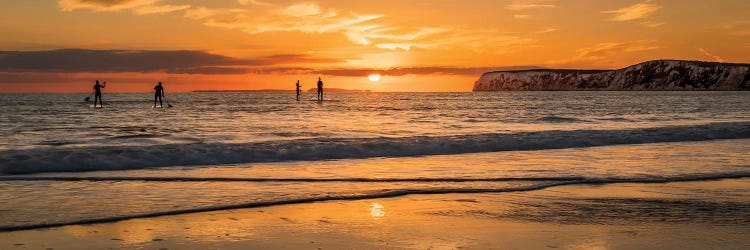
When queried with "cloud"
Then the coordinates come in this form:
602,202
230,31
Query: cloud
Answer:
141,7
254,2
652,24
389,38
209,70
42,77
548,30
401,46
713,57
633,12
479,41
103,5
488,41
738,28
208,13
282,70
302,10
527,5
81,60
309,17
604,50
418,71
306,17
158,9
294,58
604,53
520,16
143,61
33,77
66,64
360,29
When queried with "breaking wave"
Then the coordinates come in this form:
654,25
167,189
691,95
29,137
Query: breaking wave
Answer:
559,119
137,157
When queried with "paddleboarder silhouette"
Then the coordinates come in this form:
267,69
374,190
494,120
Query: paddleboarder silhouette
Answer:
298,90
320,90
159,94
98,93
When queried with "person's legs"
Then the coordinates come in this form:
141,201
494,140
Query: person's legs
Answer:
98,96
155,96
161,103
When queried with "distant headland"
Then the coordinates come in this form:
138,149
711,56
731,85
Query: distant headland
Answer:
651,75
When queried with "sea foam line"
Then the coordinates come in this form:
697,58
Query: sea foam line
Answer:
138,157
233,179
388,194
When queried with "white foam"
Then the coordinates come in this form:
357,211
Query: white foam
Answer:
138,157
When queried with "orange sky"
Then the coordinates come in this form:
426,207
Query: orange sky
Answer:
428,45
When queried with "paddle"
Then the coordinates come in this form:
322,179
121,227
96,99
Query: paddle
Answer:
88,98
165,100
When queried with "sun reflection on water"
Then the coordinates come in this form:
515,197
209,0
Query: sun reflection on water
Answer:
377,210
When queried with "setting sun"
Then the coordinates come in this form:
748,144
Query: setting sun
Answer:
374,77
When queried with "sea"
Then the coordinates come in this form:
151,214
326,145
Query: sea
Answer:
63,162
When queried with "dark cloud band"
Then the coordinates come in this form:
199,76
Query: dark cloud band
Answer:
99,61
142,61
419,71
197,62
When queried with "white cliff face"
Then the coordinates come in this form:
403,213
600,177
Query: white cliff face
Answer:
653,75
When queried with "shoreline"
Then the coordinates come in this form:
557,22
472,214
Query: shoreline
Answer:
383,195
621,215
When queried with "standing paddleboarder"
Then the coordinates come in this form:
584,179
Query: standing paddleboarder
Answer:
98,93
299,91
159,94
320,90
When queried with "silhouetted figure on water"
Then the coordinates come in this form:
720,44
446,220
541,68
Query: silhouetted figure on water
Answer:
320,90
159,94
299,91
98,93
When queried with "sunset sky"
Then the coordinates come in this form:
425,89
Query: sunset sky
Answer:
416,45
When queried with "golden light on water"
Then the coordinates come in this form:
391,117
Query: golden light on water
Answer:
377,210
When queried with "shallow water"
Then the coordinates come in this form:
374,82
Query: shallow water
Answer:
59,132
261,149
50,198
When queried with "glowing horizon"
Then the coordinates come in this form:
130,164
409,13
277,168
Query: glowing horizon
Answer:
415,46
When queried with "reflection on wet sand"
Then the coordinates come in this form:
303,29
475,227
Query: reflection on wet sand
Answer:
531,220
376,210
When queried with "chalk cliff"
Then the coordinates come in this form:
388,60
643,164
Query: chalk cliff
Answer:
652,75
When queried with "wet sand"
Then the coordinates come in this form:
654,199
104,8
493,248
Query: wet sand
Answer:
688,215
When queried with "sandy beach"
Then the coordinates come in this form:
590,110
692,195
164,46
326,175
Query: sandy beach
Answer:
685,215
